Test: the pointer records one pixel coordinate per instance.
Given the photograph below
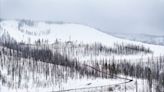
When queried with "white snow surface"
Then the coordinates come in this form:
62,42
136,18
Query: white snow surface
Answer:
68,32
65,32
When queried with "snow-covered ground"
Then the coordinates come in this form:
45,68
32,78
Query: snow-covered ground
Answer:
152,39
30,32
49,33
33,77
33,81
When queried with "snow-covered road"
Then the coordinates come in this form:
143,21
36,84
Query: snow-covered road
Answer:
102,88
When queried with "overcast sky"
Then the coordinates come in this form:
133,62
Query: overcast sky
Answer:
118,16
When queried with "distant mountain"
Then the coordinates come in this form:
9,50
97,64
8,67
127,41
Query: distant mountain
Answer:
151,39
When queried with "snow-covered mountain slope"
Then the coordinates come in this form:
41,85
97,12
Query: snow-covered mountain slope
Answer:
29,31
152,39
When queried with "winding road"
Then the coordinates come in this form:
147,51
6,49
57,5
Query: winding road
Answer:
98,88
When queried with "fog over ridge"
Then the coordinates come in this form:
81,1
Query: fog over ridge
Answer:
118,16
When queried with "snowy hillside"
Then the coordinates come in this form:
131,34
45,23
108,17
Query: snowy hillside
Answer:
152,39
29,31
56,56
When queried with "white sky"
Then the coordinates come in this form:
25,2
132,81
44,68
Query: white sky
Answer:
125,16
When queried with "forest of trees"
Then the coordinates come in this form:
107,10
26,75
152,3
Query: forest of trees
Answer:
48,60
